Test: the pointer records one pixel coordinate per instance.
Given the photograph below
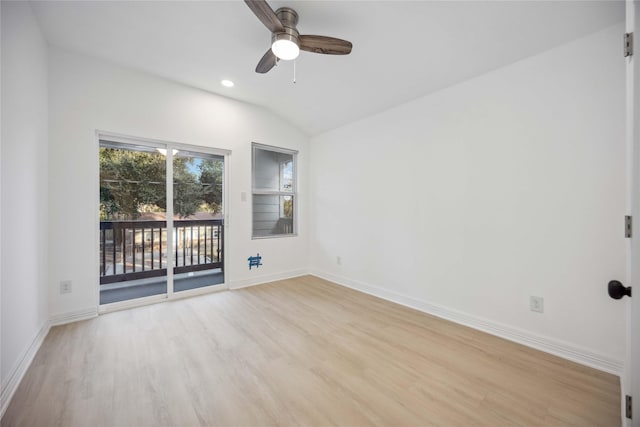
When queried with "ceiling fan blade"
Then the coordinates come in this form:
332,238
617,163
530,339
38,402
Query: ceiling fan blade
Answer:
265,14
267,62
326,45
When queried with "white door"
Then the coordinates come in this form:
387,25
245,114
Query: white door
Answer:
632,374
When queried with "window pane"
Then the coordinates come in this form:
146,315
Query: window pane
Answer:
286,175
132,182
133,234
273,171
198,220
274,186
272,215
197,185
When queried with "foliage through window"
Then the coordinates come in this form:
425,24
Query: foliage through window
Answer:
133,182
273,191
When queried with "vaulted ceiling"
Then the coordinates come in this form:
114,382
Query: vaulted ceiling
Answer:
401,49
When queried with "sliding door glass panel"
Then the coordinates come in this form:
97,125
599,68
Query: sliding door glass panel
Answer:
133,223
198,223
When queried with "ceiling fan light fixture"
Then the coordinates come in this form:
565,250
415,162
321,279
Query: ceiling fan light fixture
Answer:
285,46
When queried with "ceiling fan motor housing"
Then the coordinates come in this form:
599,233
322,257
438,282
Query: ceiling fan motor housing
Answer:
289,19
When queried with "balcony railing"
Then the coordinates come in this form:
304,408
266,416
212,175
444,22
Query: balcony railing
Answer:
131,250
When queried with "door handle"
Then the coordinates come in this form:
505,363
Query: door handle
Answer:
617,290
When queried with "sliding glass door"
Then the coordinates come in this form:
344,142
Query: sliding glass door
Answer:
151,248
133,234
198,220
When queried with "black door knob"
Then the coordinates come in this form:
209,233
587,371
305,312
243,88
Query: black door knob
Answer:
617,290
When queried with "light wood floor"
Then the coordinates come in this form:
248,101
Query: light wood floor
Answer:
299,352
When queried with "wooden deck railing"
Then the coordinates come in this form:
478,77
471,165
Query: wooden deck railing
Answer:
131,250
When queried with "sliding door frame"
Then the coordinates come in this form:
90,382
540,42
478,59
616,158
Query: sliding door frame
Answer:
169,146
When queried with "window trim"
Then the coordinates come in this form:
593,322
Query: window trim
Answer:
293,193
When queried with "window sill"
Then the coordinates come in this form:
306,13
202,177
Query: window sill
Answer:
274,236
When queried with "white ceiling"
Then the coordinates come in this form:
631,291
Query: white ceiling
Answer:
401,49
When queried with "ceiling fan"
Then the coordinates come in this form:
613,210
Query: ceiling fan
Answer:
286,42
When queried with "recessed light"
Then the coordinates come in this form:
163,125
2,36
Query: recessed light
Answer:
227,83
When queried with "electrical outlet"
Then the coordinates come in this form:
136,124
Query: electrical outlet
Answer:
339,260
65,287
536,304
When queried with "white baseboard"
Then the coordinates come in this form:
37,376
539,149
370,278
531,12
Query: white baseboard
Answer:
18,371
73,316
530,339
258,280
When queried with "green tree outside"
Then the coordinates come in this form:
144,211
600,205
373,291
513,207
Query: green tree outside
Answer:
134,182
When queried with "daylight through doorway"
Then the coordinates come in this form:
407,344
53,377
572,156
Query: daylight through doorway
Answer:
149,247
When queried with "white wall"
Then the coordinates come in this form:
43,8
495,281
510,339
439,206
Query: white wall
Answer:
88,94
24,187
472,199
